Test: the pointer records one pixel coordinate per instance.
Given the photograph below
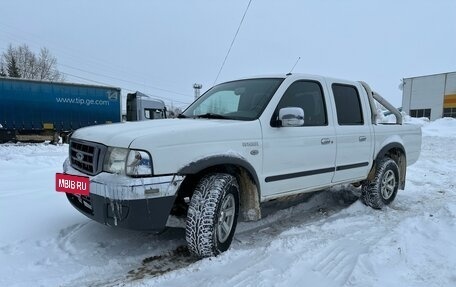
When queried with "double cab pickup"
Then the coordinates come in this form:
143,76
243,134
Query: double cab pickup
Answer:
240,144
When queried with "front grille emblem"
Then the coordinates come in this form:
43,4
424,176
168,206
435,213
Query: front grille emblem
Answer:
79,156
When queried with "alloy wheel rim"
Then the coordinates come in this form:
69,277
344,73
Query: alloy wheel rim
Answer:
388,184
225,218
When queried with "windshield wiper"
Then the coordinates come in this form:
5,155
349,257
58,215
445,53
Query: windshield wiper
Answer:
212,116
181,116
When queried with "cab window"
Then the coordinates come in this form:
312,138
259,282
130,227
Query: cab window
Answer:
307,95
348,105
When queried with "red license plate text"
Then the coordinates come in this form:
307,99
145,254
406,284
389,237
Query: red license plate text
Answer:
72,184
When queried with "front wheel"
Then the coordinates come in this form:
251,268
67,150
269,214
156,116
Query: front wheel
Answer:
212,215
381,190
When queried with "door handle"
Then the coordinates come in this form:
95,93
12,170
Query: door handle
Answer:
325,141
362,138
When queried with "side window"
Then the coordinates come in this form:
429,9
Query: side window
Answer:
421,113
308,96
153,114
448,112
348,105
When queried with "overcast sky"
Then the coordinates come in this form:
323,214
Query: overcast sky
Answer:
163,47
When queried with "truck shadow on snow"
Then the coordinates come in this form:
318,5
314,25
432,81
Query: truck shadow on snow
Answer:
281,215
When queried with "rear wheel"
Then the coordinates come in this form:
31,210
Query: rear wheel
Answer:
382,189
212,215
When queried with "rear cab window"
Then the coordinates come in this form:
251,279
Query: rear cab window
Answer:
348,105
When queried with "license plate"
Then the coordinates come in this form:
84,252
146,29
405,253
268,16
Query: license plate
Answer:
72,184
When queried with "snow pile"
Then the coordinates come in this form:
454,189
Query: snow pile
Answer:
328,240
382,119
415,121
445,127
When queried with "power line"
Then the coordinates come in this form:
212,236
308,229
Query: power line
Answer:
12,36
85,79
126,81
232,42
62,48
67,52
124,88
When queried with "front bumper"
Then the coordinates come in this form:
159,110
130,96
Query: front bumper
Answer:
132,203
140,214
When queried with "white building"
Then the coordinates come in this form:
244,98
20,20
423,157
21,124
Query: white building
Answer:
432,96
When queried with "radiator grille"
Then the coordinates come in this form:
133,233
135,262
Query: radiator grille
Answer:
87,157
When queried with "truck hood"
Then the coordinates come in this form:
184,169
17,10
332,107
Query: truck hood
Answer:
168,132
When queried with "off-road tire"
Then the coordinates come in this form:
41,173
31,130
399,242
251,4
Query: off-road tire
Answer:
382,189
215,201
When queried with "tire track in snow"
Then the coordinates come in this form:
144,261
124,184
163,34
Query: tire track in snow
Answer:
285,215
341,237
338,261
64,239
160,264
279,218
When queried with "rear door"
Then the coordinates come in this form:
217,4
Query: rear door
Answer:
353,131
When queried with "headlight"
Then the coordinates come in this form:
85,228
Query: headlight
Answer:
126,161
138,163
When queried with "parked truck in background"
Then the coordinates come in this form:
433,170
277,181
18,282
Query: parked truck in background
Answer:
240,144
39,110
142,107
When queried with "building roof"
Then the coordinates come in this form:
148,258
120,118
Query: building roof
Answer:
429,75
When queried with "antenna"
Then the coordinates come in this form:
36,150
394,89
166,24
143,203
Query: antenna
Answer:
299,58
232,42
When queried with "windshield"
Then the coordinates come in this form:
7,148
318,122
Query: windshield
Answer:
237,100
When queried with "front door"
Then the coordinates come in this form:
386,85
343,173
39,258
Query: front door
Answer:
302,157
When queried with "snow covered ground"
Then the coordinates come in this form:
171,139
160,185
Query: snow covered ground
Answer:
330,239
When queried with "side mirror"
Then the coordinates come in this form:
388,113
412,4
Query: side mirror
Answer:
291,117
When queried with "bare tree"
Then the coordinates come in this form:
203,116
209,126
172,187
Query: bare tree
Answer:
47,66
31,66
26,61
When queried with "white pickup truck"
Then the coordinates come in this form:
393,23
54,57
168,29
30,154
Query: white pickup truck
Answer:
240,144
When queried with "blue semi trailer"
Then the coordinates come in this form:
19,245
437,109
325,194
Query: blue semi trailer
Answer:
38,110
